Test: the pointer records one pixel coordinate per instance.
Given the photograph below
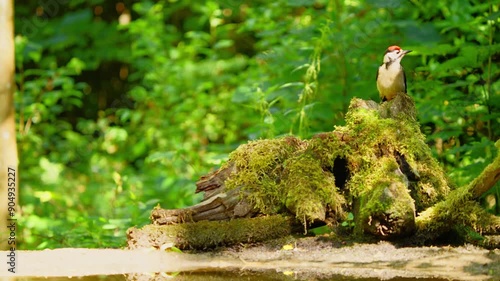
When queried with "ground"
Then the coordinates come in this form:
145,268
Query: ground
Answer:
309,258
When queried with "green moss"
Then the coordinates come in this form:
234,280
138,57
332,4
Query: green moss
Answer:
377,143
373,136
209,234
433,184
326,147
390,206
278,175
310,191
259,165
386,207
458,208
389,171
294,175
290,175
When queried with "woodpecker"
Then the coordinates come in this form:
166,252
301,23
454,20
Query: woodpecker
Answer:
391,78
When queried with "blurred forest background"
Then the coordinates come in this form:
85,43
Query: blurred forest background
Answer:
122,105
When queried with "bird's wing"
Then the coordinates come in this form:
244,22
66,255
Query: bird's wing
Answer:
404,80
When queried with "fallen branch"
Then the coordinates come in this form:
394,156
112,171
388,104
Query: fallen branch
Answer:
461,207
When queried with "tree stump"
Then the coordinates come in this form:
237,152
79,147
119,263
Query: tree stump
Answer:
377,167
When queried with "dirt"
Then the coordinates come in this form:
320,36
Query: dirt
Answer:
304,259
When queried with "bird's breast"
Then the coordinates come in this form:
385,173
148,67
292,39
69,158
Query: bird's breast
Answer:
390,81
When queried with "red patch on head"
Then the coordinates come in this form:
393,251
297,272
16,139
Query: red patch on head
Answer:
393,48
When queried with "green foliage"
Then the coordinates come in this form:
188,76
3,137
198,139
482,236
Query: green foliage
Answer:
455,87
349,222
121,106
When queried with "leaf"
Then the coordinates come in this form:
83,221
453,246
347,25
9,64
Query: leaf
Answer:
176,250
350,216
76,65
292,84
223,44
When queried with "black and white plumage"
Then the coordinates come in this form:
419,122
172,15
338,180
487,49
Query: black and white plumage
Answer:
391,78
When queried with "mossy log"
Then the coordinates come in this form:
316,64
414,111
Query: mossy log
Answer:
377,166
211,234
461,208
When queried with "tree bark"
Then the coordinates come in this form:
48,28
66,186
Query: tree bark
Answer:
8,146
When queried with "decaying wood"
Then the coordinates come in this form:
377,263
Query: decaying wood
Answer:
219,206
216,205
211,234
401,186
212,183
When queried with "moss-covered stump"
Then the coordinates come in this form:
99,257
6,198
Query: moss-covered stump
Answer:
377,167
210,234
392,173
387,211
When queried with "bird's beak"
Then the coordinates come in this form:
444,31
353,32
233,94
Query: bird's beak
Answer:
404,52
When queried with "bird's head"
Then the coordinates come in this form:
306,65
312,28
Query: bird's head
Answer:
394,53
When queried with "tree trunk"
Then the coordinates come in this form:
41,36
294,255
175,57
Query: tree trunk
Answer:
8,146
